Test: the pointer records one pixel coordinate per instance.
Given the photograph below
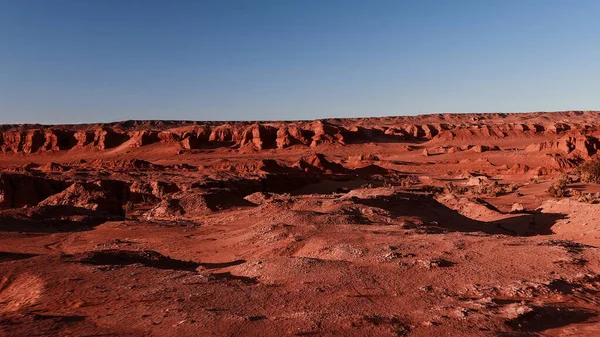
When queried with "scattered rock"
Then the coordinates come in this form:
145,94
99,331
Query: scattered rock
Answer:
517,207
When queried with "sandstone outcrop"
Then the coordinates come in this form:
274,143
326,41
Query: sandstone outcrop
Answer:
318,163
18,190
579,134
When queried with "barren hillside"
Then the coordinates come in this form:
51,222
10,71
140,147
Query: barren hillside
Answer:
446,224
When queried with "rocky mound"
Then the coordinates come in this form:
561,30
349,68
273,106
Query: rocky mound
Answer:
318,163
53,167
197,202
364,157
561,163
105,195
272,166
371,170
517,169
258,198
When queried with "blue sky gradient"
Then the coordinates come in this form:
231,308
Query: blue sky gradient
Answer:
74,61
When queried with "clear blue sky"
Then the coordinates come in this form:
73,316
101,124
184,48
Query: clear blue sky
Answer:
104,60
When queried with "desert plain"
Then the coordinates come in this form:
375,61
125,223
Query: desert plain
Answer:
430,225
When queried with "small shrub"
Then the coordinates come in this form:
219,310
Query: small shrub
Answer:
451,188
410,180
565,179
558,189
590,198
495,189
514,187
590,171
432,189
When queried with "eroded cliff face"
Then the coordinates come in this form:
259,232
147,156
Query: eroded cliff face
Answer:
59,140
108,138
18,190
580,136
580,146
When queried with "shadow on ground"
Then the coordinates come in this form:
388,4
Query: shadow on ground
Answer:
52,219
437,216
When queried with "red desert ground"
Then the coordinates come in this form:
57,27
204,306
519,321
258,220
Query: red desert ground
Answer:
432,225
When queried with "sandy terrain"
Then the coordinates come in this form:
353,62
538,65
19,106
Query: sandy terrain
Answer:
434,225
